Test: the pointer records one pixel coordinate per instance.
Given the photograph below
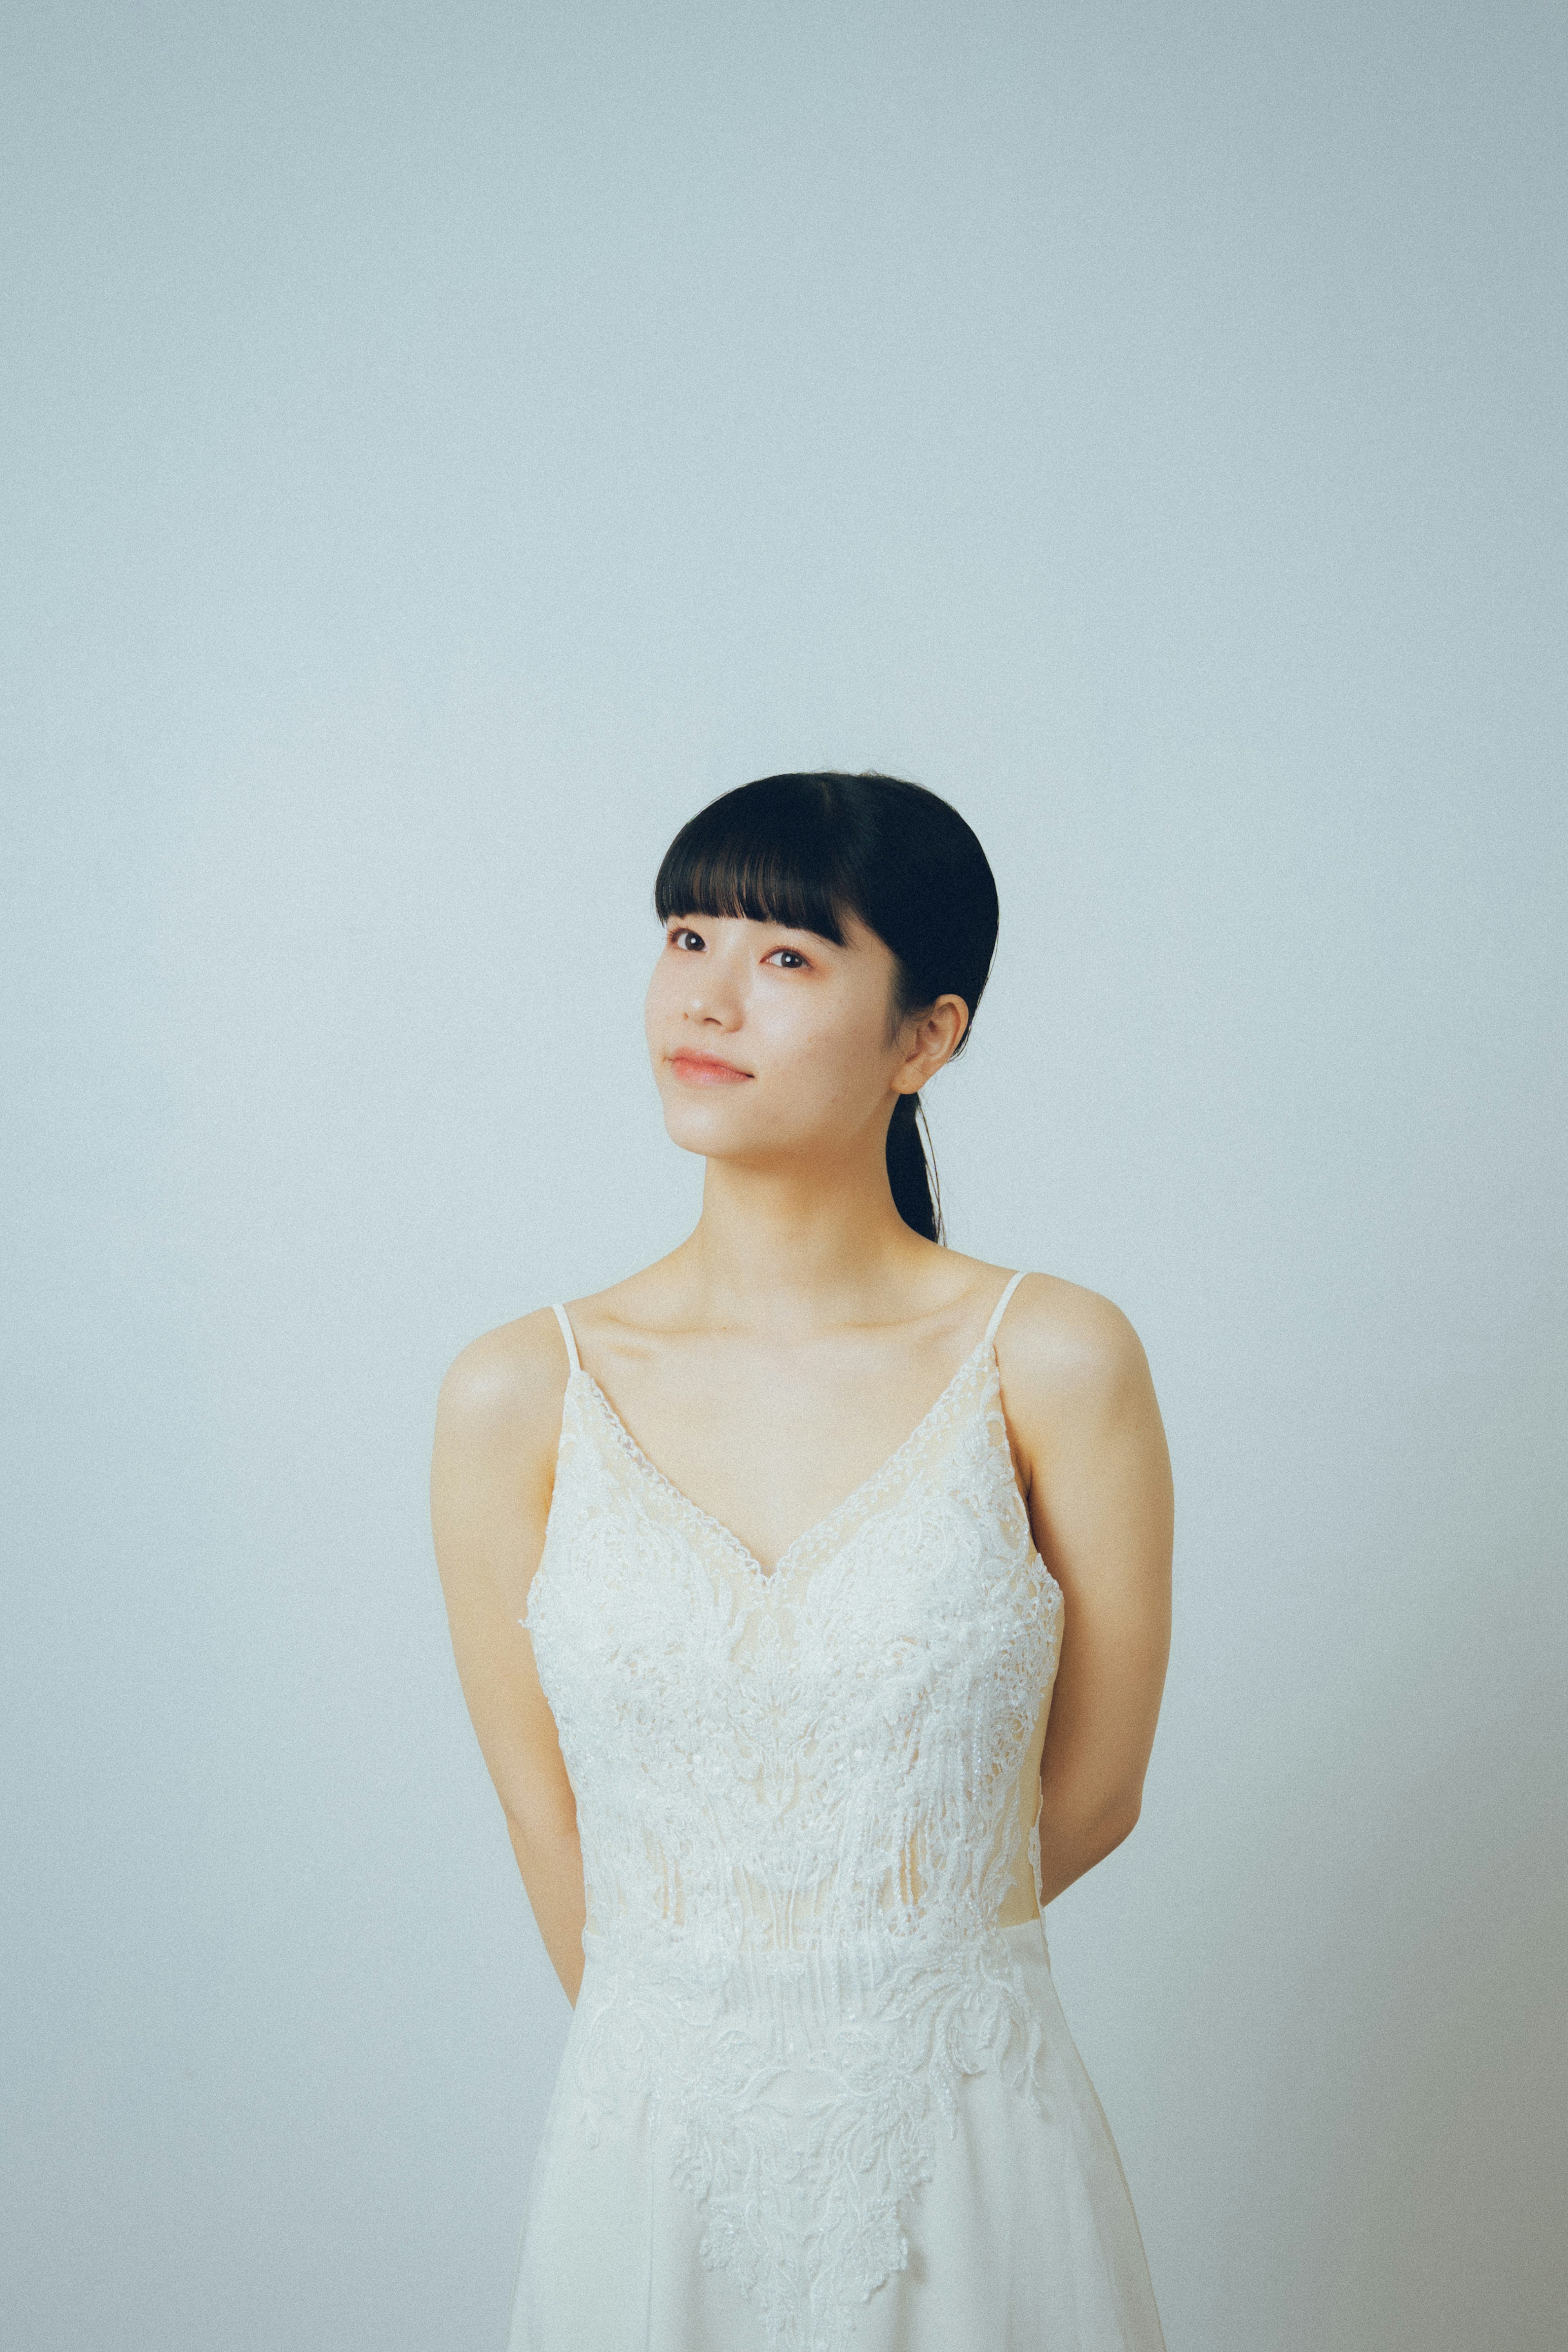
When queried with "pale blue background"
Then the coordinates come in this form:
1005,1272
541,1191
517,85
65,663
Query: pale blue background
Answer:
443,447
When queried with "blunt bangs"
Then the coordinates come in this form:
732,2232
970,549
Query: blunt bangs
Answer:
771,852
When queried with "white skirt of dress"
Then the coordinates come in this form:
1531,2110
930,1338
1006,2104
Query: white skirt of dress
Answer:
1024,2239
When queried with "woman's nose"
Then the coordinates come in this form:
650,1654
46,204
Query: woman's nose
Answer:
711,997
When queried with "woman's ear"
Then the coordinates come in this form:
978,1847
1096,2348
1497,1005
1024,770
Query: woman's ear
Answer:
937,1036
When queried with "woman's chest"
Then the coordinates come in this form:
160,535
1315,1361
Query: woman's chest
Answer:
930,1617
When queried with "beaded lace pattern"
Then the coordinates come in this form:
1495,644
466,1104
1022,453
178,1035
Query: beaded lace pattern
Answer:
798,1797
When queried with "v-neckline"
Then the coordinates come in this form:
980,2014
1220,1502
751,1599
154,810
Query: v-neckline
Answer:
718,1527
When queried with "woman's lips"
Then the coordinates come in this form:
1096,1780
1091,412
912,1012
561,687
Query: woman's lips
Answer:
702,1070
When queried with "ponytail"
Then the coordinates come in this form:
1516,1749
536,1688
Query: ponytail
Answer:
909,1177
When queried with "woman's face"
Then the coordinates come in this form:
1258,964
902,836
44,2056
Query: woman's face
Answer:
769,1041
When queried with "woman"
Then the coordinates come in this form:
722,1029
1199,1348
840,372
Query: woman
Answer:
746,1560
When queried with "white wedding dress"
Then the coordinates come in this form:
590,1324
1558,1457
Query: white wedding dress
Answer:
814,2097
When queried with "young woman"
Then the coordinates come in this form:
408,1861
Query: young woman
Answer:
768,1570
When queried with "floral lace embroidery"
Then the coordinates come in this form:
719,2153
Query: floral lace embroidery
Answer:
799,1797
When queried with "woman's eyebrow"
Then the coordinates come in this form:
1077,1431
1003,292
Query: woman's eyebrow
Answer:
764,923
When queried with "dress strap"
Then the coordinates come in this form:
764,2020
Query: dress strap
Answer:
566,1334
997,1310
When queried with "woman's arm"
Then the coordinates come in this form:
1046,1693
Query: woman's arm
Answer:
497,1425
1082,1409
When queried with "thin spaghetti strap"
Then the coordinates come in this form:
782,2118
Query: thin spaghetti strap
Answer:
997,1310
566,1333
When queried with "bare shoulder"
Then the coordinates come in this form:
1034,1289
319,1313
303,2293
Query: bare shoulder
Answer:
502,1393
1068,1354
1088,1439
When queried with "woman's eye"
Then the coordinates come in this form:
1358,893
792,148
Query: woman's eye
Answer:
680,933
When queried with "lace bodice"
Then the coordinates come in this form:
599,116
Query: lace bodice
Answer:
805,1797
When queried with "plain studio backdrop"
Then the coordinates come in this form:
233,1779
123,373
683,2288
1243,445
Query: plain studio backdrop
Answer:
444,447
